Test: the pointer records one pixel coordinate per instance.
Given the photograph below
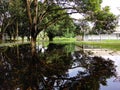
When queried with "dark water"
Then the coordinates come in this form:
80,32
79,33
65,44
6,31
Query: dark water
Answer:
54,67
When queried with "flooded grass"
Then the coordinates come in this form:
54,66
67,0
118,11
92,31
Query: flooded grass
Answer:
12,44
108,44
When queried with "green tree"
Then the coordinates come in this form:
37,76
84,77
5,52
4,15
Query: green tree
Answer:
64,28
44,13
104,22
12,13
38,13
17,12
5,20
82,27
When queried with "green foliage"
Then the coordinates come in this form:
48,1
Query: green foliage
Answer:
16,9
15,18
4,13
64,28
88,6
92,5
53,17
69,48
53,13
18,14
105,22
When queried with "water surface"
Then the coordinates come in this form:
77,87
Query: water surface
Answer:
56,67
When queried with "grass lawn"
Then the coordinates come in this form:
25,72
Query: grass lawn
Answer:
63,40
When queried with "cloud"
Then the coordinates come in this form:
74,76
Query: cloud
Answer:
114,4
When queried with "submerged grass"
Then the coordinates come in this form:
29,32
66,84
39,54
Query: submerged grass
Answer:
12,44
109,44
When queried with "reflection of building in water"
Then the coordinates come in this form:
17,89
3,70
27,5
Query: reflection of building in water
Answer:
96,51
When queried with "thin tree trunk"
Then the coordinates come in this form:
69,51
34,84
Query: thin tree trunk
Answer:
3,37
17,30
50,38
23,39
34,27
33,45
33,22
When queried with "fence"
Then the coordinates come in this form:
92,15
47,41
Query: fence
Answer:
99,37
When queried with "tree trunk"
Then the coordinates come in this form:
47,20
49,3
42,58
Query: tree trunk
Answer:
0,37
23,39
10,38
50,38
33,45
17,30
3,37
33,22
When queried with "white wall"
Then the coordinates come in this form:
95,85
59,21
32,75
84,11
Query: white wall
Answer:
101,37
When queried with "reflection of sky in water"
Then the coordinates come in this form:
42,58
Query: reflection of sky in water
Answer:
74,72
111,84
116,60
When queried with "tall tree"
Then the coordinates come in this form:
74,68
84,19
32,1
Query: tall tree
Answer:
17,12
64,27
11,13
32,20
39,10
5,20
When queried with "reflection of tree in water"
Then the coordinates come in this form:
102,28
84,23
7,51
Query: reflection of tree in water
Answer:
50,70
96,71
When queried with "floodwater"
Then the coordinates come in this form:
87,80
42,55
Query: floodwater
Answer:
57,67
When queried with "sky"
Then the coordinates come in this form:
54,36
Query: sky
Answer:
114,4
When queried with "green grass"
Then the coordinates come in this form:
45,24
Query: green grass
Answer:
63,40
109,44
